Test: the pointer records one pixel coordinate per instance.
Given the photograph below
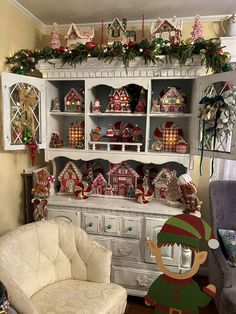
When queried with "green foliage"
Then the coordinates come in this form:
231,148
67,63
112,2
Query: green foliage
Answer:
24,61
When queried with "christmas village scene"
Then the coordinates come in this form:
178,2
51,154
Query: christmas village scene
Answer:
140,183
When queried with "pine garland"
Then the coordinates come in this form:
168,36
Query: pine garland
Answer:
24,61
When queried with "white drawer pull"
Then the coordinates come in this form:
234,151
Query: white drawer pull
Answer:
124,251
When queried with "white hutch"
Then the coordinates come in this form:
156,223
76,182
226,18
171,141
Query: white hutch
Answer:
122,225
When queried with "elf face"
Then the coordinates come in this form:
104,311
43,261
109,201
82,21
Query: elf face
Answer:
199,258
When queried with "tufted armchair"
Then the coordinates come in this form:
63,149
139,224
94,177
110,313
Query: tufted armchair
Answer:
54,267
223,216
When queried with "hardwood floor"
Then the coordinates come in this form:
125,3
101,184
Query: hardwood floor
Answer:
136,305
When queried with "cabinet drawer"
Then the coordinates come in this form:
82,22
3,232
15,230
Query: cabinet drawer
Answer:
105,242
126,249
131,227
111,224
66,215
91,223
133,278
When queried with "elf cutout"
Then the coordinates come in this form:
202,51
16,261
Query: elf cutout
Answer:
175,293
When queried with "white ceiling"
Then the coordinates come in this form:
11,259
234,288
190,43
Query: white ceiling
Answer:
94,11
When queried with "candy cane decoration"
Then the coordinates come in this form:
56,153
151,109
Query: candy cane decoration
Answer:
143,194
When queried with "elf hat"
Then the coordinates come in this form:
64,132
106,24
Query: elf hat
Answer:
187,230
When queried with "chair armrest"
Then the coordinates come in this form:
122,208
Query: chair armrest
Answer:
220,267
97,258
99,263
17,297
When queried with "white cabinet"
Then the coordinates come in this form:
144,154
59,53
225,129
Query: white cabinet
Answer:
132,224
96,79
119,224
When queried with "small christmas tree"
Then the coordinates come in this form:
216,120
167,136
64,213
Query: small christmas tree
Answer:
55,37
173,190
197,29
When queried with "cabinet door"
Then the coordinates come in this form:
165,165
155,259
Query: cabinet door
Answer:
204,139
23,110
170,254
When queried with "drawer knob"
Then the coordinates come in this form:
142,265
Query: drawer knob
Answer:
90,224
109,226
130,228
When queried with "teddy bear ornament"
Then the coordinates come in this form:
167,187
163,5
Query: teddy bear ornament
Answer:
189,197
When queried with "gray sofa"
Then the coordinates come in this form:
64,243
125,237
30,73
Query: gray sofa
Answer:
223,216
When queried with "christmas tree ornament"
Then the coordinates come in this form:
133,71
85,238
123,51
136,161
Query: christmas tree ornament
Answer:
82,190
227,57
197,29
32,146
141,106
40,210
55,37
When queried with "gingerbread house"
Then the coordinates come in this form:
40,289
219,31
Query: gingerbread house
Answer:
118,101
121,177
99,184
69,178
167,29
160,183
79,35
117,31
172,99
74,101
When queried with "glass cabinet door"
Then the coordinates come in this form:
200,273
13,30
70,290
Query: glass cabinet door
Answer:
23,111
214,118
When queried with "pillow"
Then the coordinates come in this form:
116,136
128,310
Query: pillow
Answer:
228,238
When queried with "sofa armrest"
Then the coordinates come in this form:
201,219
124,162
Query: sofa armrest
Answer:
17,297
220,267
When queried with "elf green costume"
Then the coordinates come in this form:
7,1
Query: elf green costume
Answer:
181,296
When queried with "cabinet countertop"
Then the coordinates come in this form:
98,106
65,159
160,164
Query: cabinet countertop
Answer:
154,207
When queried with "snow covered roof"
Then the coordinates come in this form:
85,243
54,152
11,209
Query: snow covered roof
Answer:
174,22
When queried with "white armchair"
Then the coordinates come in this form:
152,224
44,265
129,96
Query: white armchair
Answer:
52,267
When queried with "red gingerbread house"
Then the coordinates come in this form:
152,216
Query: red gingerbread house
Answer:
79,35
118,101
69,178
99,184
167,29
74,101
121,177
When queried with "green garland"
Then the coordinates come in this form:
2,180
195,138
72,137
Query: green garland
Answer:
24,61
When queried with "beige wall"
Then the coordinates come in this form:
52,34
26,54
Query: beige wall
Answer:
18,32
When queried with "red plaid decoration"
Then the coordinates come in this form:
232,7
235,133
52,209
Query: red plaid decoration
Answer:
170,133
75,134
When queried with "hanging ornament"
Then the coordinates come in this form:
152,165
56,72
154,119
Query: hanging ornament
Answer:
227,57
32,146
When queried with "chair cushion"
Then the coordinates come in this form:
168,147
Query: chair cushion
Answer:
80,297
228,238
